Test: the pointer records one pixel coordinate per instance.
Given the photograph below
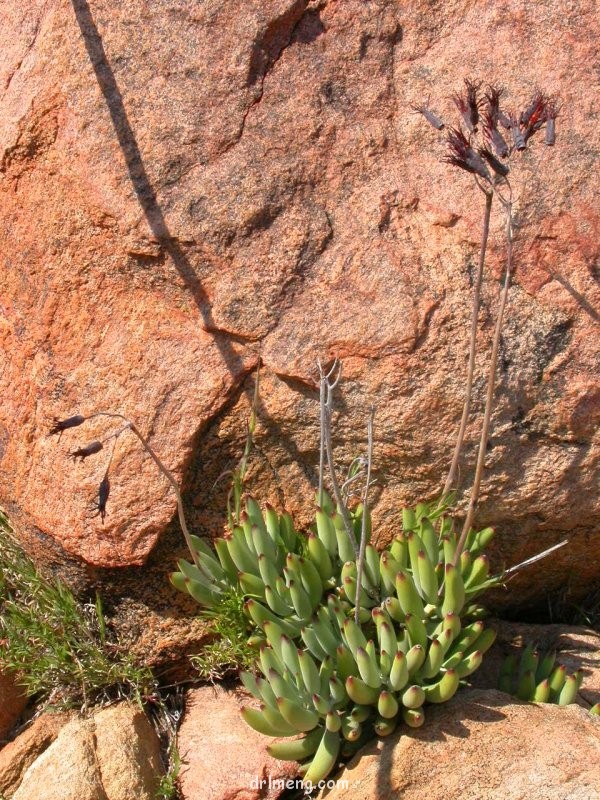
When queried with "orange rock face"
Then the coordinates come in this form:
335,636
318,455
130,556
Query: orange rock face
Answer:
185,188
480,745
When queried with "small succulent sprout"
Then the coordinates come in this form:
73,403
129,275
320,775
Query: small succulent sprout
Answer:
557,681
568,693
387,705
296,749
526,686
595,710
431,118
444,689
333,721
61,425
463,156
409,520
536,677
84,452
541,692
385,727
413,697
413,717
351,729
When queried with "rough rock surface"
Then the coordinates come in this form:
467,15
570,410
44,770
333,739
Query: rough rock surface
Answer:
184,187
128,752
222,757
12,703
481,747
17,756
113,755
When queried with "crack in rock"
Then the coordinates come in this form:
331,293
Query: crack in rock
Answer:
266,52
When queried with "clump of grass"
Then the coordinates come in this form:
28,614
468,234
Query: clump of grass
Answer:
60,650
229,652
167,788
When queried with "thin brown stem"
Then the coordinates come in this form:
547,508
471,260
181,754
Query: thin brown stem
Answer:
166,472
489,196
171,478
489,400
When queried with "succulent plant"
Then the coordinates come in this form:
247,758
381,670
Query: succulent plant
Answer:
344,687
248,559
537,677
287,575
341,682
341,662
267,559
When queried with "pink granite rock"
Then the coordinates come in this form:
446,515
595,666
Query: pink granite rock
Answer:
112,755
478,746
222,757
185,186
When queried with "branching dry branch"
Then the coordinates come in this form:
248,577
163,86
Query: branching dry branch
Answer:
162,468
365,514
327,387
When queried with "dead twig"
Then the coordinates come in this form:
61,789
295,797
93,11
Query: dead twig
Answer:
365,513
327,387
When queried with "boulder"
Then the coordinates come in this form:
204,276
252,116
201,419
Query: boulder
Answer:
112,755
17,756
222,758
481,746
128,753
186,189
67,770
